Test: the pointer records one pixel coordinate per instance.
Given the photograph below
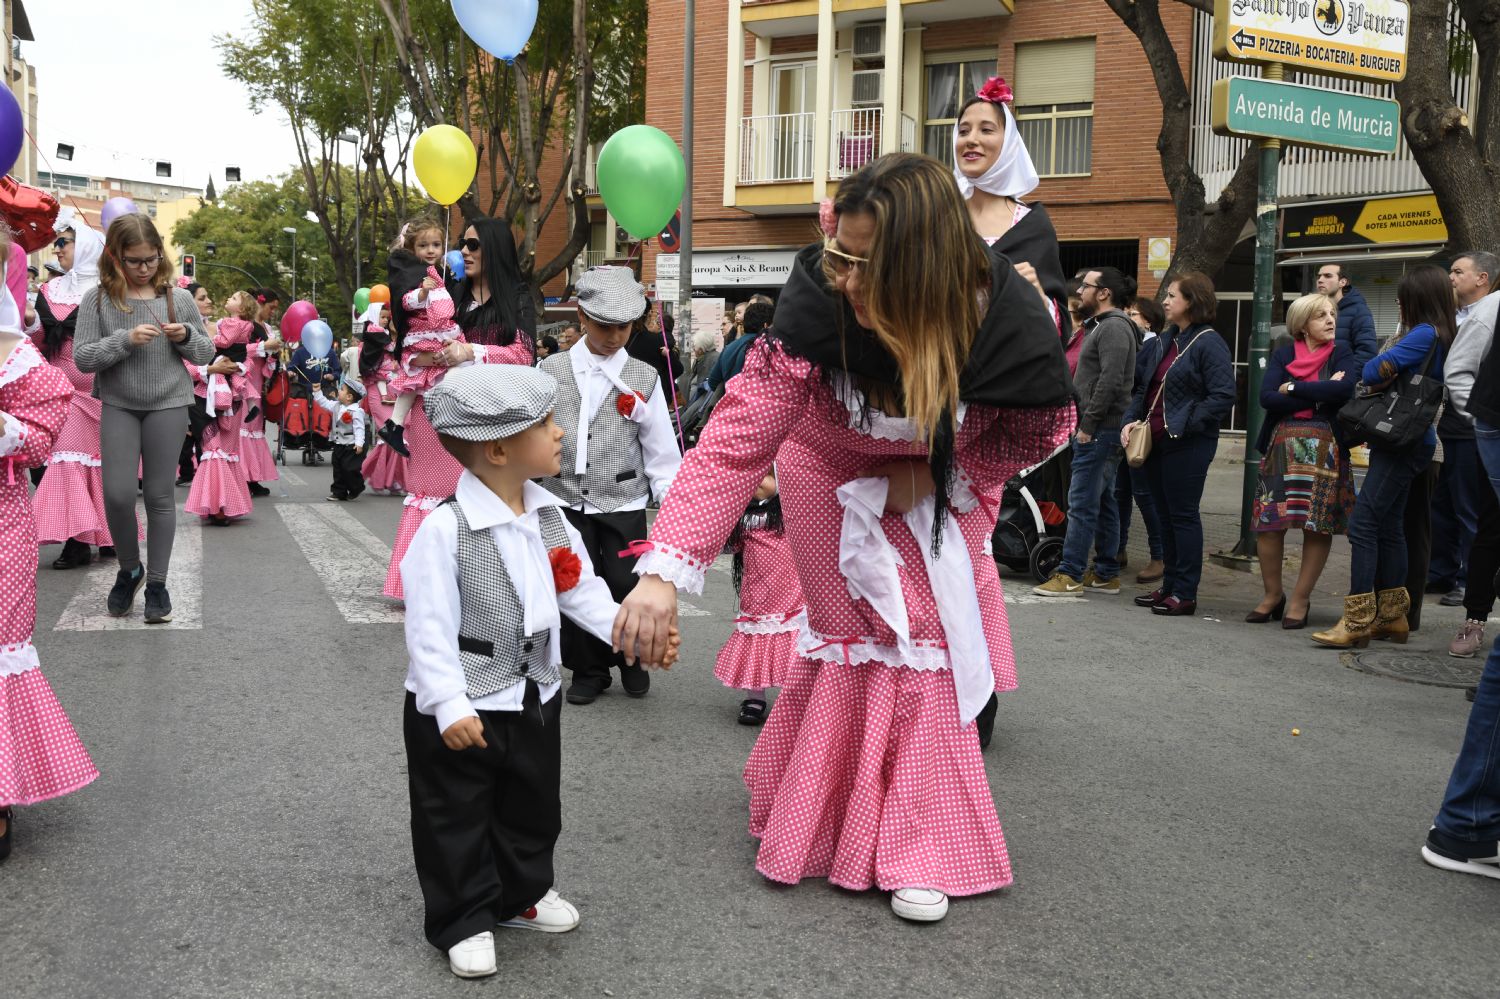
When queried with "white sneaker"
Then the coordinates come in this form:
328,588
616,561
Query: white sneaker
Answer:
920,905
474,957
551,914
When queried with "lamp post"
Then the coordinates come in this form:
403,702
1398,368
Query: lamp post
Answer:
351,137
292,231
314,279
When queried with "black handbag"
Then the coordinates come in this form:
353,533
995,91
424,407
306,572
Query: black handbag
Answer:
1398,415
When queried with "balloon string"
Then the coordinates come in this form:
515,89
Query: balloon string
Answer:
661,322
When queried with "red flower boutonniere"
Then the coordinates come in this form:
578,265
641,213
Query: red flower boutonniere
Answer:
997,91
347,417
565,568
626,403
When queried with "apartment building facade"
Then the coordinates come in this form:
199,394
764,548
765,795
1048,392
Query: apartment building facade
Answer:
793,95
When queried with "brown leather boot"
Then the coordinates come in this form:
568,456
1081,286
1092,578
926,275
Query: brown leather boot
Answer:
1390,615
1353,629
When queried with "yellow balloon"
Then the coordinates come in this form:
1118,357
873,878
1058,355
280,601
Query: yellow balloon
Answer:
445,162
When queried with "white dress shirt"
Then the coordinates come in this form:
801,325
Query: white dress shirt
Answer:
598,378
429,573
351,433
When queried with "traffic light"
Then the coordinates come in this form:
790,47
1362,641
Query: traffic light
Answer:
189,266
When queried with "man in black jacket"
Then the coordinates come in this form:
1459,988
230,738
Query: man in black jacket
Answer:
1356,326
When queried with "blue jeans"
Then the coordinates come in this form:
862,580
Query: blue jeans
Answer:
1177,471
1377,531
1471,805
1484,553
1091,520
1455,512
1131,484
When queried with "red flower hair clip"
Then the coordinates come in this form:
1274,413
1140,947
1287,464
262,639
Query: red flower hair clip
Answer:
996,91
828,219
626,403
566,568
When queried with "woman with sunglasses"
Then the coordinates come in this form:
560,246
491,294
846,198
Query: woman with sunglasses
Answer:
909,373
134,332
69,501
495,310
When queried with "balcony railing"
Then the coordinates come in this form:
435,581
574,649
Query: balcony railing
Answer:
590,258
778,148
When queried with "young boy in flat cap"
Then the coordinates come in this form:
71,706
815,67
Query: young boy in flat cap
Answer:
348,437
490,577
618,451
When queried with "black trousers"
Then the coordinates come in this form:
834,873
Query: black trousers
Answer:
605,535
348,477
1418,529
1483,557
484,822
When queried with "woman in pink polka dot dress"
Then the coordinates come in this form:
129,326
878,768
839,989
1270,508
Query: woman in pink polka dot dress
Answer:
495,311
868,771
41,756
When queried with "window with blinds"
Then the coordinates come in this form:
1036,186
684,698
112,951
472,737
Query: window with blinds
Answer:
1054,106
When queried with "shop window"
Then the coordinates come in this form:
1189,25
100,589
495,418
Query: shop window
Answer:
1054,106
946,86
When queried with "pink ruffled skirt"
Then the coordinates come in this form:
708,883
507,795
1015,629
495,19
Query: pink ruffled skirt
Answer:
384,469
41,757
256,459
69,503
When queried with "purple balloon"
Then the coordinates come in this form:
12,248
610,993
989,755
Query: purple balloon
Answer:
114,208
12,130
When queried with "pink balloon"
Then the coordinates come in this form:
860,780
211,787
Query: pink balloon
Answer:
296,316
114,208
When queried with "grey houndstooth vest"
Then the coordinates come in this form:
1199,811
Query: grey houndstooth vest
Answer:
493,647
616,470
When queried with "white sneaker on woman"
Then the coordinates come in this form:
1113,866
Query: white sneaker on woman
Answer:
920,905
474,957
551,914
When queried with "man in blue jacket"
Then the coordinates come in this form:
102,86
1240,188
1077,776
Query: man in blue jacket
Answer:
1356,326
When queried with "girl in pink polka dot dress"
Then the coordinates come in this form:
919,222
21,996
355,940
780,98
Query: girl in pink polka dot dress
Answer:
868,771
41,756
771,609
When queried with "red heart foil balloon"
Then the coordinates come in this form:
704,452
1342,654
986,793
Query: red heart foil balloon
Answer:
31,213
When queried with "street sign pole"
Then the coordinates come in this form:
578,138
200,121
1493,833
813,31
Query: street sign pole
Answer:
685,243
1260,336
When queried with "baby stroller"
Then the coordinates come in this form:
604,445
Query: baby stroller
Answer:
1029,531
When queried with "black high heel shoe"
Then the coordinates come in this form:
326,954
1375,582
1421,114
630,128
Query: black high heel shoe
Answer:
1274,614
1290,623
9,815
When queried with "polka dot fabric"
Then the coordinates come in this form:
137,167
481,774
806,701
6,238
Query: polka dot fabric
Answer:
219,484
40,755
384,467
69,503
432,473
255,451
862,774
764,643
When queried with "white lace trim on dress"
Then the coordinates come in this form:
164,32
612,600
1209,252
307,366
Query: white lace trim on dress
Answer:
18,658
12,434
771,624
220,455
874,423
252,434
73,458
426,503
927,655
23,357
674,565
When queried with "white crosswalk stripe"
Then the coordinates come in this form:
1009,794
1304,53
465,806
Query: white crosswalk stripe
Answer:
350,561
87,610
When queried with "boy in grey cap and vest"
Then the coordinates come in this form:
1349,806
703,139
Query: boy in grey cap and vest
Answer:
618,452
490,576
347,433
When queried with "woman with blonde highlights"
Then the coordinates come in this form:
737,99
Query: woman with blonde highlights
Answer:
907,375
1305,480
133,334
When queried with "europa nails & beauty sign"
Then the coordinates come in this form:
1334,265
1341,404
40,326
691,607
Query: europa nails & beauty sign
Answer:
1364,41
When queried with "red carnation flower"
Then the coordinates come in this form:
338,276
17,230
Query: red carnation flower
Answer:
347,417
626,403
996,91
565,568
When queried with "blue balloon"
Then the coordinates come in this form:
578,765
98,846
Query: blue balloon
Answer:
455,260
317,337
500,27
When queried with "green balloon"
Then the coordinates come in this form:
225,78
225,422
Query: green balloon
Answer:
641,178
361,300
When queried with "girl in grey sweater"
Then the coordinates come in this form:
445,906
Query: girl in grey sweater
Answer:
134,332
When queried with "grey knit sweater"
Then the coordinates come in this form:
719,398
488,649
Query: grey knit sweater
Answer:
150,377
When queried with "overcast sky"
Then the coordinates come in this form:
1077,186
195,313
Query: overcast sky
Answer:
128,84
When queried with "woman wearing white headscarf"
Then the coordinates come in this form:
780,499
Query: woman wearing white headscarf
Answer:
994,172
69,500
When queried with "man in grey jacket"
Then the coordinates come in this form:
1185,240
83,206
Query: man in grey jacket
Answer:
1103,383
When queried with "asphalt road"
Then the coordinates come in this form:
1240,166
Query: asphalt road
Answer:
248,835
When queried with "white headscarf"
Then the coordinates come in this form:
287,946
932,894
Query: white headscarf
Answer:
1012,175
372,314
87,249
10,313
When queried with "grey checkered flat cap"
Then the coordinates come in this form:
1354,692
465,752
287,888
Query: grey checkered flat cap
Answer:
489,401
611,295
354,385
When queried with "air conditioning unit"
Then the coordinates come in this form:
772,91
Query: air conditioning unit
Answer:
869,40
867,88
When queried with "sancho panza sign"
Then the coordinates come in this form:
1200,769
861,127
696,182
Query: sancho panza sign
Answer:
1365,41
751,268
